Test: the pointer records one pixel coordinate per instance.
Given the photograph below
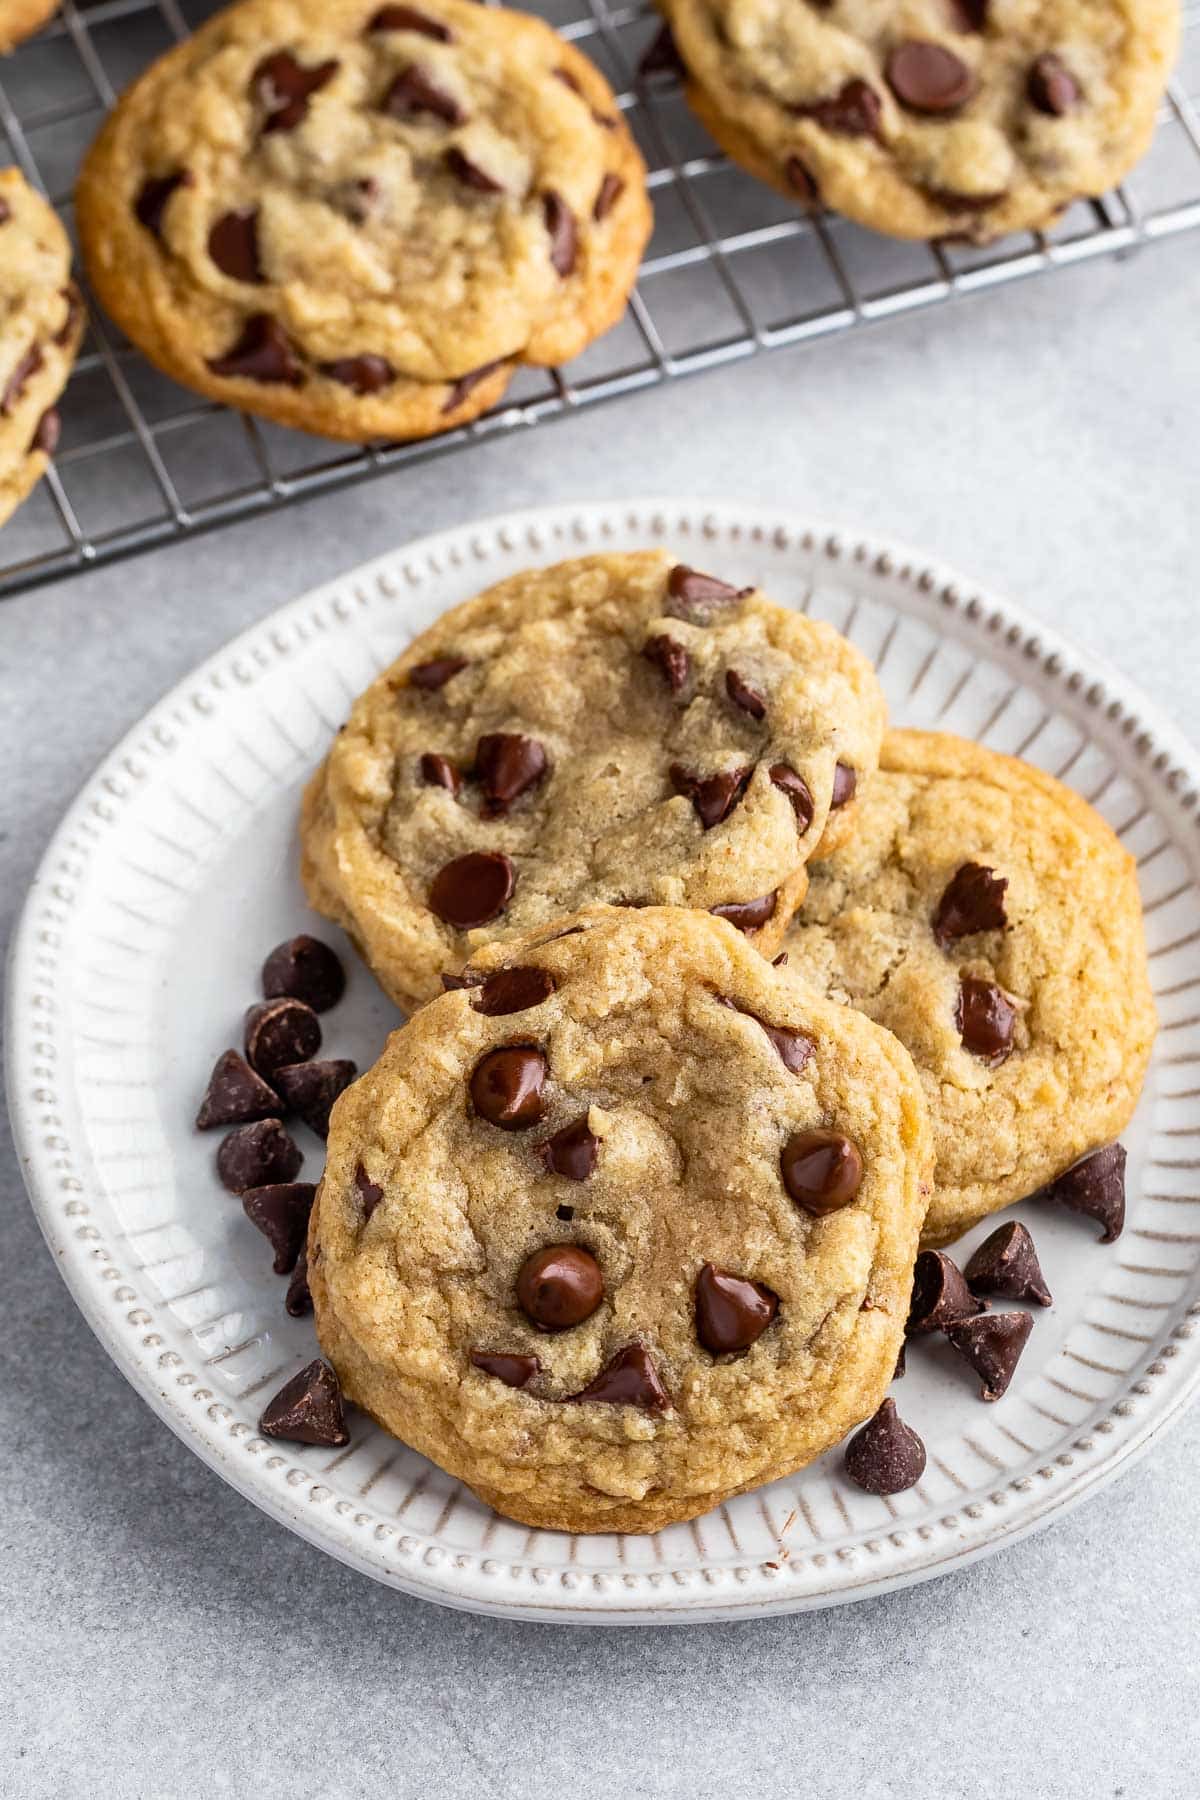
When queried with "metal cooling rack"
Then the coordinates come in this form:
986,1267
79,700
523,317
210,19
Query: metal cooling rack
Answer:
731,270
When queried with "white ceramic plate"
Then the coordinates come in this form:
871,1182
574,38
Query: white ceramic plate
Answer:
175,871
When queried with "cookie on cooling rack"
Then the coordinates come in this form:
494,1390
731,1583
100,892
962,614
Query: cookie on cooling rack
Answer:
619,729
965,118
356,218
41,323
624,1228
19,19
989,917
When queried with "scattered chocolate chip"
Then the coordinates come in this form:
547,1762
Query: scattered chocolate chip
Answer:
743,695
697,597
507,765
886,1456
611,189
564,237
973,900
571,1152
414,91
407,18
1051,86
713,796
28,365
305,969
298,1301
283,87
928,78
969,15
364,374
507,1084
513,1371
280,1211
430,676
1006,1263
785,778
257,1155
310,1089
627,1379
801,181
470,174
854,111
47,432
473,889
748,915
466,384
308,1409
369,1192
233,245
822,1170
280,1031
796,1049
235,1094
513,990
661,55
152,199
940,1295
992,1345
560,1286
845,785
985,1017
671,658
731,1312
1095,1187
439,771
264,352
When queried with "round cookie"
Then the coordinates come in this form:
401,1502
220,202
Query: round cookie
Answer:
961,118
355,218
614,729
624,1228
19,19
41,323
989,917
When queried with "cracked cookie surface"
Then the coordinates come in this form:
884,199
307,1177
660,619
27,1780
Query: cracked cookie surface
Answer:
990,918
626,1226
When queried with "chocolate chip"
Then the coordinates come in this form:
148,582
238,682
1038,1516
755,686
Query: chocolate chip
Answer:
886,1456
233,245
74,300
628,1379
671,657
513,1371
743,695
235,1094
310,1089
280,1211
822,1170
278,1032
506,1087
731,1312
152,199
308,1409
611,189
507,765
796,1049
513,990
28,365
264,352
928,78
560,1286
748,915
407,18
1006,1263
940,1295
369,1192
785,778
973,900
465,385
801,181
992,1345
305,969
571,1152
470,174
780,961
430,676
283,87
854,111
298,1301
466,978
473,889
661,55
845,785
257,1155
713,796
1095,1187
969,15
5,212
1051,86
697,597
985,1017
950,201
564,238
47,433
439,771
365,374
414,91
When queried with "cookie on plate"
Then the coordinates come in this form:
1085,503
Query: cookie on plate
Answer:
41,323
624,1227
990,918
964,118
357,218
615,729
19,19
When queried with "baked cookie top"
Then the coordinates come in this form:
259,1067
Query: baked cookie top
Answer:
624,1227
974,117
41,321
990,918
333,201
613,729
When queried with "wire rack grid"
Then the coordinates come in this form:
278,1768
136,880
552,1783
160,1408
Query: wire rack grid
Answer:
732,270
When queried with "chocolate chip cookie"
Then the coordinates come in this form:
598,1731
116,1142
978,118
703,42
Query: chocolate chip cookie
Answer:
41,322
623,1227
19,19
990,918
617,729
357,218
965,118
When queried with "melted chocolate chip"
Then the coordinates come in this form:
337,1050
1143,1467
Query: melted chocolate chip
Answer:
785,778
564,237
280,1031
1006,1263
854,111
74,300
28,365
985,1017
928,78
233,245
661,55
973,901
886,1456
801,181
560,1286
513,1371
470,174
473,889
430,676
235,1095
748,915
671,658
310,1089
152,199
611,189
513,990
283,87
507,765
439,771
796,1049
713,796
414,91
731,1312
744,696
940,1295
845,785
298,1301
256,1155
1051,86
571,1152
280,1211
627,1379
305,969
992,1345
407,18
507,1087
264,352
369,1192
697,597
363,374
47,433
466,384
308,1409
1095,1187
822,1171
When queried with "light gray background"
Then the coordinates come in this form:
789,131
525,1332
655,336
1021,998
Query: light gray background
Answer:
163,1639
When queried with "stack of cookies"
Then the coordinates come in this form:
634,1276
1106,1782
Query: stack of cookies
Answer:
723,997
